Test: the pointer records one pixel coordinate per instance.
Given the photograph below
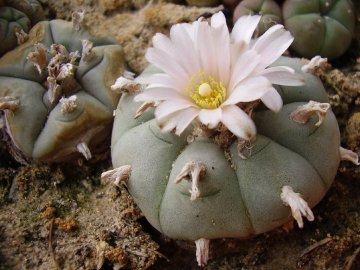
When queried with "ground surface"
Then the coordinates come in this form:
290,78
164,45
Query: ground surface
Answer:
58,217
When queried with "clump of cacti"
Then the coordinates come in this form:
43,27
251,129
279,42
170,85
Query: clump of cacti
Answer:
320,27
55,94
16,19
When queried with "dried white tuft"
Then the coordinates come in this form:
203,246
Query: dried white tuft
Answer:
66,70
304,112
299,207
124,84
87,53
146,105
78,19
21,36
116,175
9,103
202,251
38,57
54,90
69,104
346,154
315,62
84,150
192,171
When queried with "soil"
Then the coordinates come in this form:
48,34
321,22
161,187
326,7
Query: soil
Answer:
61,216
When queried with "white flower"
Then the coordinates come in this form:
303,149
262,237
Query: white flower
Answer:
207,72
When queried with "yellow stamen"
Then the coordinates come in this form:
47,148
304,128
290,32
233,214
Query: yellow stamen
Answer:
206,92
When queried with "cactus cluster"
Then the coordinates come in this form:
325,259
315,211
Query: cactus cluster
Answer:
16,19
55,95
319,27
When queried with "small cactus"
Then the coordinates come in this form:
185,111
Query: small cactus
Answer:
32,9
11,22
55,93
268,9
320,27
193,187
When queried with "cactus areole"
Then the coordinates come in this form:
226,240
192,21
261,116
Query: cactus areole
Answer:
56,103
196,165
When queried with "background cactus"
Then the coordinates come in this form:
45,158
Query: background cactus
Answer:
17,15
67,107
320,27
269,9
11,20
303,156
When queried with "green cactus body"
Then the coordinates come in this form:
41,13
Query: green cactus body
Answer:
268,9
320,27
32,8
239,197
17,16
11,20
40,131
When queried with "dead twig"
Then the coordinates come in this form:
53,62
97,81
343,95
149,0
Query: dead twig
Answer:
51,247
315,245
350,260
161,255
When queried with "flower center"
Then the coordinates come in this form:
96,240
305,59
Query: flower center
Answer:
206,92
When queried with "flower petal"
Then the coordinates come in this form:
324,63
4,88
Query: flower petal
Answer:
248,90
185,48
162,42
204,43
187,116
160,80
272,44
221,42
179,120
283,75
244,29
244,65
170,106
163,61
210,118
238,122
218,20
158,94
272,100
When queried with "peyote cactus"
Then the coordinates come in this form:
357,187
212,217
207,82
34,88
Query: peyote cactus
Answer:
32,9
16,18
268,9
198,188
55,94
11,21
320,27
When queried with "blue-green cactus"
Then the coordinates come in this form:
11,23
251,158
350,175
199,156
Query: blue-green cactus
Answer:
11,21
268,9
320,27
16,18
67,108
236,197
